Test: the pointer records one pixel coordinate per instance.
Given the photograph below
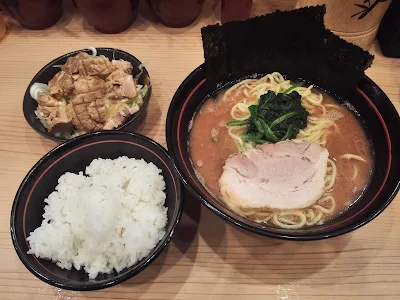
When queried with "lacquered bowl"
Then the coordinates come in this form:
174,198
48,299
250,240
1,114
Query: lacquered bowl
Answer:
74,156
378,116
52,68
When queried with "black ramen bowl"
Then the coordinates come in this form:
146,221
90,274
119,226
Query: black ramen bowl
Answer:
52,68
376,113
74,156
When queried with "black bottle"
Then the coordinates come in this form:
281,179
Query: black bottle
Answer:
389,31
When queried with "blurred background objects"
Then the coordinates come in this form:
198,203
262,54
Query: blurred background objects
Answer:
33,14
109,16
176,13
357,21
3,28
235,10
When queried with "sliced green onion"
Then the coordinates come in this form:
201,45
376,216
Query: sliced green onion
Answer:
260,142
255,138
238,123
282,118
258,124
293,87
252,136
268,132
253,109
288,133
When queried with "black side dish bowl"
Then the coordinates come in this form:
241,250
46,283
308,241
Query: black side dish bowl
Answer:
73,156
376,113
52,68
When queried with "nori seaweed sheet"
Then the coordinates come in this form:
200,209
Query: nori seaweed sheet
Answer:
294,43
216,52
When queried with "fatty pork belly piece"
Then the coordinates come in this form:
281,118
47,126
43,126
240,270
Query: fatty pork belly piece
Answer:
54,113
87,65
121,88
120,85
74,63
124,65
61,85
87,108
120,118
87,84
88,111
96,65
285,175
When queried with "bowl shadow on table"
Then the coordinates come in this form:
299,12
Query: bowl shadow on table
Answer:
392,70
32,139
183,246
150,121
266,260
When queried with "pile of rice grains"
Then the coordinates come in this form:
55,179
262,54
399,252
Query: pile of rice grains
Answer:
295,43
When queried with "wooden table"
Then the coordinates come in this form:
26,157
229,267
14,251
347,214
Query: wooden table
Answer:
207,258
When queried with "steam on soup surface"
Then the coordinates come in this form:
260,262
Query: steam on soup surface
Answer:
221,131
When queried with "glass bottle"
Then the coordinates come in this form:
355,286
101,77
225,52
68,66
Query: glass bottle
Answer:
389,31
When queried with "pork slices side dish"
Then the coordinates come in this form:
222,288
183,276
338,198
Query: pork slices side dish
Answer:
90,93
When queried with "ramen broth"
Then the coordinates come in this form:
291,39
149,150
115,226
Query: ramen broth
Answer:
210,145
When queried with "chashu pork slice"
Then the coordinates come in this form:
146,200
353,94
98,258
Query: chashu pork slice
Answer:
285,175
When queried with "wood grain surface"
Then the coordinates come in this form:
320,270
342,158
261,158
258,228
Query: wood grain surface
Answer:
207,258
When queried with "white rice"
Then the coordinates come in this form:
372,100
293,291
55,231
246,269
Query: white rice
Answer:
109,219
